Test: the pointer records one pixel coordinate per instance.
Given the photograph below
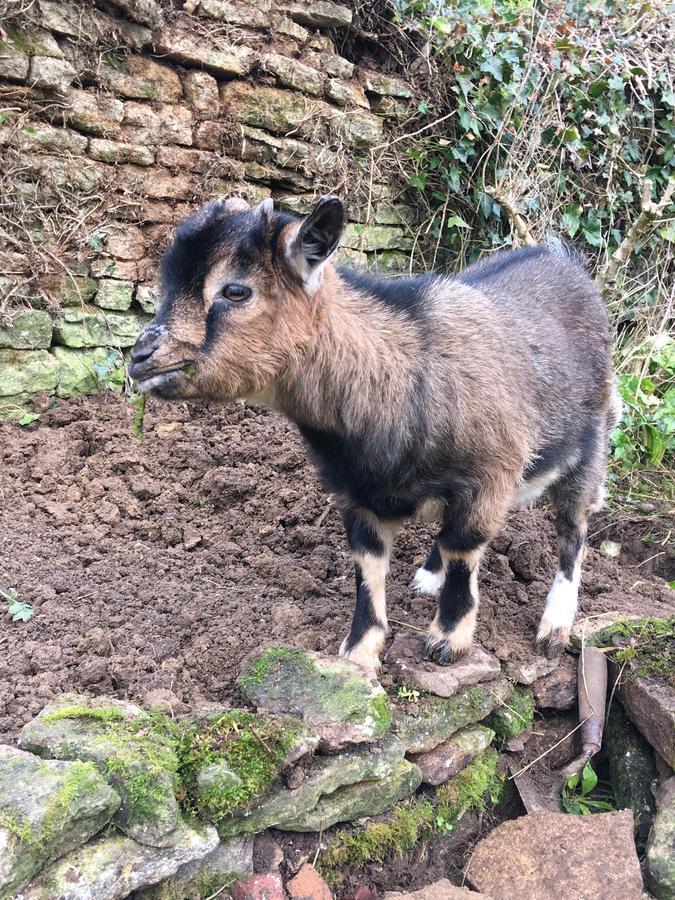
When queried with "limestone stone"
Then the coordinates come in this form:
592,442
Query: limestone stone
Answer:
75,290
346,257
110,868
26,329
329,63
211,135
87,326
199,161
375,237
439,890
257,16
14,63
323,776
582,856
107,267
283,24
310,158
86,372
26,371
147,298
294,74
138,77
139,764
406,662
17,407
385,85
194,50
94,113
391,261
114,152
345,94
318,13
308,885
141,124
277,176
85,23
650,705
157,184
277,110
358,128
46,809
395,214
114,294
201,90
528,670
40,136
146,12
175,125
74,173
632,771
366,798
125,241
449,758
50,73
339,701
431,720
660,857
389,107
558,689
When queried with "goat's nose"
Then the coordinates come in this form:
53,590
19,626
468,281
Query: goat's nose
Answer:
145,346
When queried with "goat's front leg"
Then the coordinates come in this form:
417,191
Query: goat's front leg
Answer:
370,541
451,633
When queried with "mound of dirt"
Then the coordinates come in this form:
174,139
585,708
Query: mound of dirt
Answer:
158,566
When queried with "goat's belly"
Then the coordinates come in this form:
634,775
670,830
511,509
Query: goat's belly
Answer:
430,511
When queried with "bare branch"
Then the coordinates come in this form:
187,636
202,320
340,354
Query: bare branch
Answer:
508,204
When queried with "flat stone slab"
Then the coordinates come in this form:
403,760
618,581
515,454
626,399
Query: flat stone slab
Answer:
558,689
650,704
450,757
110,868
440,890
660,858
406,662
46,809
547,855
340,702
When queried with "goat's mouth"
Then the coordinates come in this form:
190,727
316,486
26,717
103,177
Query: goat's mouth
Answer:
156,379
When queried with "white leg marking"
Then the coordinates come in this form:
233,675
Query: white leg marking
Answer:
561,604
426,582
367,652
459,639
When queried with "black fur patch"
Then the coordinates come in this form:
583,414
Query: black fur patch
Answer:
364,614
434,562
362,536
455,600
408,294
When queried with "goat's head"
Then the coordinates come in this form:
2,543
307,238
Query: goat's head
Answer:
239,299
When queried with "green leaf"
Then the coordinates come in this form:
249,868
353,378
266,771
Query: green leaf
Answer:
456,222
589,779
571,216
419,180
593,233
27,418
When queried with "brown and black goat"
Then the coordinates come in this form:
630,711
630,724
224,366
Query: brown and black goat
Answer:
465,395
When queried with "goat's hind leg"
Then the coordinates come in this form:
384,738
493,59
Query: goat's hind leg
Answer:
429,578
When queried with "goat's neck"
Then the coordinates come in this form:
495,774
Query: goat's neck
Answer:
357,371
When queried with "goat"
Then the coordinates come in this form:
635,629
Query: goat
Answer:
469,393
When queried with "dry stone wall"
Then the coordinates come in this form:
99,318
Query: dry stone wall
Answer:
120,116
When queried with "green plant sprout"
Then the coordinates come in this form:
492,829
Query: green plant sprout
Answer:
17,610
576,792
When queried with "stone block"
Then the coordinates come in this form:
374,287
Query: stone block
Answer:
201,90
53,74
43,137
93,112
26,329
277,177
276,110
90,25
358,128
246,14
329,63
145,12
33,41
175,125
14,64
660,858
141,124
27,371
308,885
216,135
384,85
137,77
147,298
89,326
375,237
191,49
344,94
292,73
318,13
125,242
114,152
107,267
87,371
199,161
159,184
114,294
79,173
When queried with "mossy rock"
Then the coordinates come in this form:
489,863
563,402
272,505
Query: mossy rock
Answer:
114,294
29,329
17,408
647,644
514,716
660,856
87,371
340,702
46,809
132,749
89,326
27,371
430,720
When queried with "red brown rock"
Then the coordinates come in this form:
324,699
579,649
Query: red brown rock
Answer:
260,887
308,885
440,890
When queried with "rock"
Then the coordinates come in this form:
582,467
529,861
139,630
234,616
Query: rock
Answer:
405,659
366,798
136,758
632,770
94,113
323,776
138,77
260,887
432,720
650,704
90,26
125,242
558,689
376,237
147,12
116,152
308,885
201,90
527,671
267,854
292,73
44,138
114,294
192,49
112,867
345,94
87,371
384,85
17,407
514,716
14,63
230,860
547,854
440,890
276,110
27,371
27,329
53,74
660,857
89,326
340,702
318,13
165,701
46,809
450,757
147,298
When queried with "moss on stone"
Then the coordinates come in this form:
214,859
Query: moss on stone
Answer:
647,644
268,660
102,713
82,778
515,716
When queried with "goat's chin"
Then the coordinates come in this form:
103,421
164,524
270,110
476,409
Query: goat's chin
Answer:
168,386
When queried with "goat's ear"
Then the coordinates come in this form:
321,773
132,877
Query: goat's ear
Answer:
318,236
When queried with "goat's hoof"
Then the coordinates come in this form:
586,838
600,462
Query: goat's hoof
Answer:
441,651
551,642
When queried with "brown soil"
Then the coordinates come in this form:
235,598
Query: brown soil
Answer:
161,564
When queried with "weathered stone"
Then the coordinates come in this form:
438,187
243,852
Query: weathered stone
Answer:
406,662
318,13
14,63
50,73
192,49
91,25
650,704
231,859
147,298
375,237
89,326
93,112
138,762
16,407
175,125
341,702
138,77
276,110
201,90
141,124
46,809
528,670
385,85
660,857
308,885
366,798
158,184
277,176
74,290
395,214
74,173
558,689
294,74
86,372
323,776
34,41
146,12
346,257
125,241
439,890
114,294
40,136
26,371
216,135
431,720
345,94
358,128
107,267
329,63
114,152
110,868
260,887
449,758
513,717
257,16
310,158
391,261
389,107
26,329
589,856
285,25
632,770
199,161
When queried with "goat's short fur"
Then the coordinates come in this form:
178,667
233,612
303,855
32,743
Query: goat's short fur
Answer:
467,394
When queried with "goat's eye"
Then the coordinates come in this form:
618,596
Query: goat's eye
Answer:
237,293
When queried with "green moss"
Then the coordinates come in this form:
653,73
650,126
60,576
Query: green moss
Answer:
649,644
18,41
381,712
415,820
102,714
269,660
515,716
19,826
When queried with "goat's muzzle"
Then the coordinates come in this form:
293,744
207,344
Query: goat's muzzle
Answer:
150,368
